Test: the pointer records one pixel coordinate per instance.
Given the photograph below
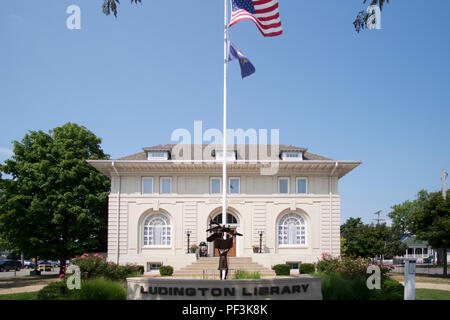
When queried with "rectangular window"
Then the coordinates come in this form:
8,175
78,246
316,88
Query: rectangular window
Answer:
234,186
283,185
302,185
158,156
147,185
231,155
294,265
291,156
165,186
216,186
153,266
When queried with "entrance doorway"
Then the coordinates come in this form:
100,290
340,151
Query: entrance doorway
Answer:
232,252
232,223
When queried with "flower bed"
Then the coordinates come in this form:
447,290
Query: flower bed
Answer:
349,267
346,279
96,266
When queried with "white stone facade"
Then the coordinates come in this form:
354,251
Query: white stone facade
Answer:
190,205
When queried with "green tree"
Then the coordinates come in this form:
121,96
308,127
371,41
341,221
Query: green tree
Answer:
344,249
370,241
55,204
350,231
389,241
360,22
401,216
430,221
111,6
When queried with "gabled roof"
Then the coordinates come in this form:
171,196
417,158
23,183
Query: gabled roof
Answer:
411,241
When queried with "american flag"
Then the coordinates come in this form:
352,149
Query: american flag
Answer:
264,13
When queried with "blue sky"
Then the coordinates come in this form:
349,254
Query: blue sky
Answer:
380,96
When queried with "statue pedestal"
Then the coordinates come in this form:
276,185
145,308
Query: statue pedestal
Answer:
289,288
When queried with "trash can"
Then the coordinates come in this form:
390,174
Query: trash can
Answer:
203,249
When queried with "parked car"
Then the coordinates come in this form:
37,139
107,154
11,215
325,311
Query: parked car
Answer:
55,263
28,264
8,264
45,266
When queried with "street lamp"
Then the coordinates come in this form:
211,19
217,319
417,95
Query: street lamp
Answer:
188,233
260,239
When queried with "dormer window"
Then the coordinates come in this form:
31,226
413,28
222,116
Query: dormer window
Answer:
231,155
158,156
292,156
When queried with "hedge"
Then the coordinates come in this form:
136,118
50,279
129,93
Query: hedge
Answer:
282,269
166,270
307,268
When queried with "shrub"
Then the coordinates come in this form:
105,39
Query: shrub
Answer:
241,274
328,264
96,266
336,287
390,290
100,289
54,291
308,268
166,270
282,269
132,270
349,267
90,265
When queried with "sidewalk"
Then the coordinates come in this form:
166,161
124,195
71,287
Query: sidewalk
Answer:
436,286
20,284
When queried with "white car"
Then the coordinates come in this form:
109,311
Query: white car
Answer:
28,264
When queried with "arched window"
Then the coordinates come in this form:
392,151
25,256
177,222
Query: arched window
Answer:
230,219
157,231
292,230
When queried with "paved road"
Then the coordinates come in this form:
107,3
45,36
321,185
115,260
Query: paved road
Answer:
422,270
26,272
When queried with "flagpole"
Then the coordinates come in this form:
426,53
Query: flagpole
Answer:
224,170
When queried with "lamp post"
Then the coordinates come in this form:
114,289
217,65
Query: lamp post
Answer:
260,239
188,233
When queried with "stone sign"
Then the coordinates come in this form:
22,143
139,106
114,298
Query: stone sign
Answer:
292,288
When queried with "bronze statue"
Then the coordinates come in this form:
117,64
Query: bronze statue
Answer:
223,244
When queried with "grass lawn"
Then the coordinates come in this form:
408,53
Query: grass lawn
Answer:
431,294
20,296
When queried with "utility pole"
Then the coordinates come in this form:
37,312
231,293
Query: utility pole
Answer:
378,219
378,213
444,195
443,177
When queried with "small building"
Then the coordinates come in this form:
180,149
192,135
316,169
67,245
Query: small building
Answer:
418,249
166,195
